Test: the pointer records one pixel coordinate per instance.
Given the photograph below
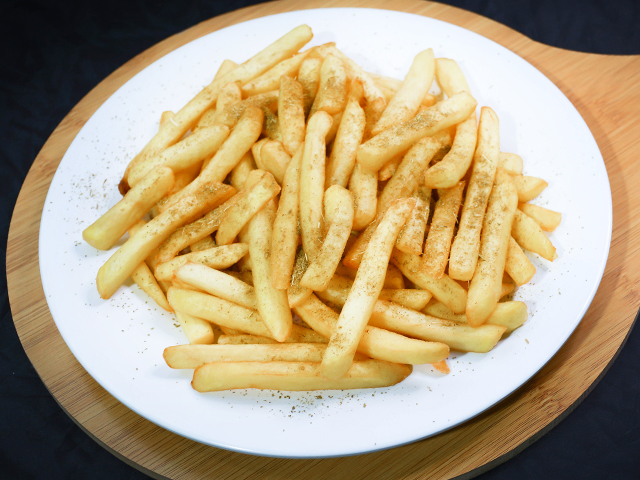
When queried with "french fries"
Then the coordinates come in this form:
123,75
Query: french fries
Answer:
216,257
291,114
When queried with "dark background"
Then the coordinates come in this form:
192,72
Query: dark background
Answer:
53,53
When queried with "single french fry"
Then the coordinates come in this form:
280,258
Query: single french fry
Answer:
197,330
366,288
275,159
270,80
124,261
411,237
183,120
217,257
225,67
193,149
389,169
528,187
486,284
295,376
547,219
375,342
405,103
107,230
143,277
450,77
530,236
285,226
363,185
272,303
510,163
312,172
296,293
309,78
444,289
448,172
466,245
348,137
242,170
517,265
332,90
457,336
204,244
194,231
438,244
338,207
507,314
377,151
291,114
271,125
193,356
228,155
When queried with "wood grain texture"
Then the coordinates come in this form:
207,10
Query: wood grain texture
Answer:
604,89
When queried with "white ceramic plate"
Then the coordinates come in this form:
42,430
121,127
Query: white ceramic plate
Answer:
120,341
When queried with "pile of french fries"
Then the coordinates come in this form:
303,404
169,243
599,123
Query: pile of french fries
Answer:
385,218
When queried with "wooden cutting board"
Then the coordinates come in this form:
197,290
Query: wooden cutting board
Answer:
605,90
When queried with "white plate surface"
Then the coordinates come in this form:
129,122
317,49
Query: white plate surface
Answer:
120,341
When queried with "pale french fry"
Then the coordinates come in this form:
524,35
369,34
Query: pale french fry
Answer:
547,219
198,331
275,159
393,277
239,214
285,226
348,137
229,95
375,342
291,114
295,376
296,293
338,207
366,288
256,150
192,232
270,80
193,149
110,227
466,245
193,356
457,336
372,113
486,284
510,163
454,165
185,177
309,78
438,244
412,235
389,169
530,236
443,289
124,261
312,172
377,151
205,244
225,67
143,277
242,170
363,185
507,314
182,121
271,125
332,90
528,187
228,155
217,257
405,103
517,265
450,77
218,284
272,303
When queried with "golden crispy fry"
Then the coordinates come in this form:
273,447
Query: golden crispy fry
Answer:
528,187
486,284
295,376
107,230
312,171
125,260
518,266
205,244
332,90
285,226
197,330
271,125
393,277
143,277
231,114
242,170
530,236
438,244
230,94
217,257
182,121
296,293
389,169
412,235
510,163
364,293
309,78
298,335
547,219
405,103
272,303
380,149
372,113
270,80
363,185
291,114
507,314
256,150
465,248
443,289
218,284
338,207
275,159
402,320
450,77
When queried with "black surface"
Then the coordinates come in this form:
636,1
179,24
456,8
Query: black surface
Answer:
53,53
